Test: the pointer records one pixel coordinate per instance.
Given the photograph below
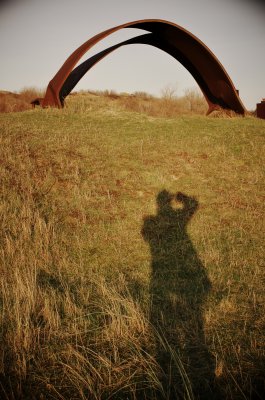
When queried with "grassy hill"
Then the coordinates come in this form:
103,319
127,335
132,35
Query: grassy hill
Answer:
132,249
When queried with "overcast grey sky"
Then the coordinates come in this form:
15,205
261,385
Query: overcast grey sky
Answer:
37,36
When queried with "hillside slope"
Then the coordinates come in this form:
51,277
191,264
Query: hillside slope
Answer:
131,255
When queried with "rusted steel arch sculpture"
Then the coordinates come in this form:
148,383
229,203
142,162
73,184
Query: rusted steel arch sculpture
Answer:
194,55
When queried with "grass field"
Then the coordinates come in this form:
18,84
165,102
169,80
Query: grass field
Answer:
132,255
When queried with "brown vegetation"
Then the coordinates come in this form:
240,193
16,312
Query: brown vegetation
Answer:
13,102
168,105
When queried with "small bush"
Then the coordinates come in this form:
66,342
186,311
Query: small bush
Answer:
14,102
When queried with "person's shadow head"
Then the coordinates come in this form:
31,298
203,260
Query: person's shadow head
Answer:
168,227
164,199
184,205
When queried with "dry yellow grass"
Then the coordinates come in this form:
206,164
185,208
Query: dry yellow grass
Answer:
167,106
84,311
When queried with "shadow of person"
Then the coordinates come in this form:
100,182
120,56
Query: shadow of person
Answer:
178,291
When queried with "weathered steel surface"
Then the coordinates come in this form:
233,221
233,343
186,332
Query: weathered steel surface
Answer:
261,109
194,55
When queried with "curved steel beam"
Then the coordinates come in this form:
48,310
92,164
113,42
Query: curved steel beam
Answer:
194,55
